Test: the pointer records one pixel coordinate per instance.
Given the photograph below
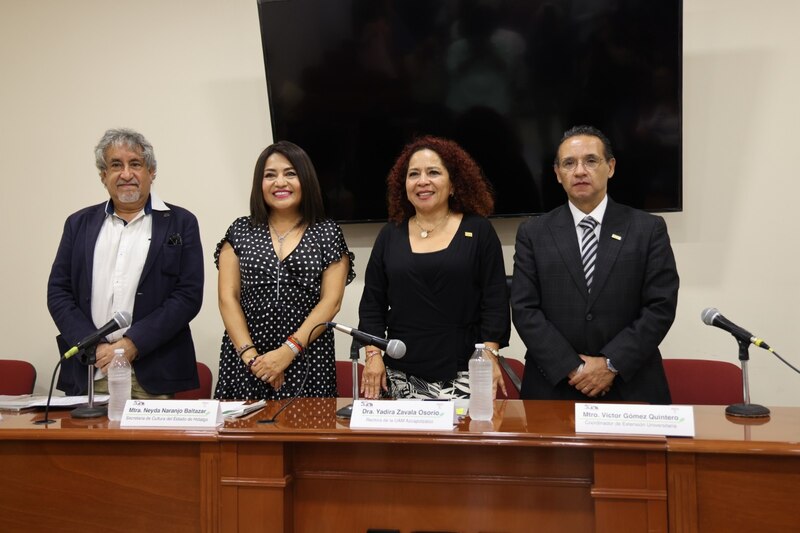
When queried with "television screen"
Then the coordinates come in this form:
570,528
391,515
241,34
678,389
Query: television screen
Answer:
351,81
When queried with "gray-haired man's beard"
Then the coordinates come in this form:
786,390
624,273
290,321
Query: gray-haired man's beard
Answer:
130,196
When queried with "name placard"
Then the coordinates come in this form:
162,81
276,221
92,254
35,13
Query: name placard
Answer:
171,414
628,419
423,415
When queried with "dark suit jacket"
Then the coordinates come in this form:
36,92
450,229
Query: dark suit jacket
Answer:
625,317
168,296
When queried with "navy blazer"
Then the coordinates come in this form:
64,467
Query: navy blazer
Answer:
625,317
169,295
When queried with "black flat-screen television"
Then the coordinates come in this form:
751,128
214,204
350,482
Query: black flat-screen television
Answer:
351,81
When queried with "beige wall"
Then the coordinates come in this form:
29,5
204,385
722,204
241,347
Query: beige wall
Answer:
190,76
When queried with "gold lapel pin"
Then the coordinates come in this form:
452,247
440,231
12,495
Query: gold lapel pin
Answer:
467,234
616,237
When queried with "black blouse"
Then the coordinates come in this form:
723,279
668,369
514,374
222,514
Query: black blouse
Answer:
439,303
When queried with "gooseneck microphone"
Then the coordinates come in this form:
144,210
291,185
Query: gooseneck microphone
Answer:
121,319
744,339
713,317
394,348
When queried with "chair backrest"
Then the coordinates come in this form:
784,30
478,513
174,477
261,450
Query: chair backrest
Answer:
203,392
704,382
519,369
344,378
16,377
517,366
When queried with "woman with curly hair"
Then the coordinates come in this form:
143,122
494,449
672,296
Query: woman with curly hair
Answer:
435,278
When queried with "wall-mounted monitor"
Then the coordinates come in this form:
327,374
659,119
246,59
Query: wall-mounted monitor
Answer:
352,81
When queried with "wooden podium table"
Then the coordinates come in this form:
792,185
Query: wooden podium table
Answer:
89,475
736,474
526,470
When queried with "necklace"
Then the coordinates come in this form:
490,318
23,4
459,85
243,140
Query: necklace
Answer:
425,232
282,237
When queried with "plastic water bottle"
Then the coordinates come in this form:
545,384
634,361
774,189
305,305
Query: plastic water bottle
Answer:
481,403
119,384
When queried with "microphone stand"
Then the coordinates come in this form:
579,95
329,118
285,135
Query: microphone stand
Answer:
746,409
46,420
90,410
347,410
307,359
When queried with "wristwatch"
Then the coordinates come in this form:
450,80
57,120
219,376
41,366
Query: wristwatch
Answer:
611,366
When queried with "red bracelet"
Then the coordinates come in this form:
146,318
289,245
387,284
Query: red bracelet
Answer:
297,343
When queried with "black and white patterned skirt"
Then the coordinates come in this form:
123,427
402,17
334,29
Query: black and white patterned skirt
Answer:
403,386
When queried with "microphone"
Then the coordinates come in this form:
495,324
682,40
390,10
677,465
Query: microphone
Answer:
121,319
713,317
394,348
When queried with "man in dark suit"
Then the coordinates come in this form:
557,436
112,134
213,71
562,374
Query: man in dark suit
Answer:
592,304
131,253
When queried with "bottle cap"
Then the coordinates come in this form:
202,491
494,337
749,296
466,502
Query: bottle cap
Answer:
480,346
119,351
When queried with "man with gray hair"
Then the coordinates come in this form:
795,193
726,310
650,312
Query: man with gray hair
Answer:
131,253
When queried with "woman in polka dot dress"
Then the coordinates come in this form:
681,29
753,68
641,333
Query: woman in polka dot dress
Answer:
282,271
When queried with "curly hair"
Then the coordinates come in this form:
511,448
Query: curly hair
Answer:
472,193
130,139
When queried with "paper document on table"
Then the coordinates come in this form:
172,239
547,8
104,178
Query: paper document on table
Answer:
16,403
240,409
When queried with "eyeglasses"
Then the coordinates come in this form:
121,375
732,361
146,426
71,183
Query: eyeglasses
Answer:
570,165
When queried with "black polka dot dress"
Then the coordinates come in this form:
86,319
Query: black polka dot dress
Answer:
276,298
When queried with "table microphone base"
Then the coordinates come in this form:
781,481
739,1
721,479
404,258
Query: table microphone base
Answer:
89,412
345,412
747,410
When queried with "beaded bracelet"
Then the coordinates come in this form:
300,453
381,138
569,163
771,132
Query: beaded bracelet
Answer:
370,354
251,361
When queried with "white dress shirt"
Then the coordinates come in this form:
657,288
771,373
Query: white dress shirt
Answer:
597,213
119,256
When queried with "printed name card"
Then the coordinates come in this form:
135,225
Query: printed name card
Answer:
630,419
171,414
423,415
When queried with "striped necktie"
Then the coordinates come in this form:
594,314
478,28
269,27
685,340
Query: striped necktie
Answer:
588,249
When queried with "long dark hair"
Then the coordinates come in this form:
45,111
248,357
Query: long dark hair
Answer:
311,207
